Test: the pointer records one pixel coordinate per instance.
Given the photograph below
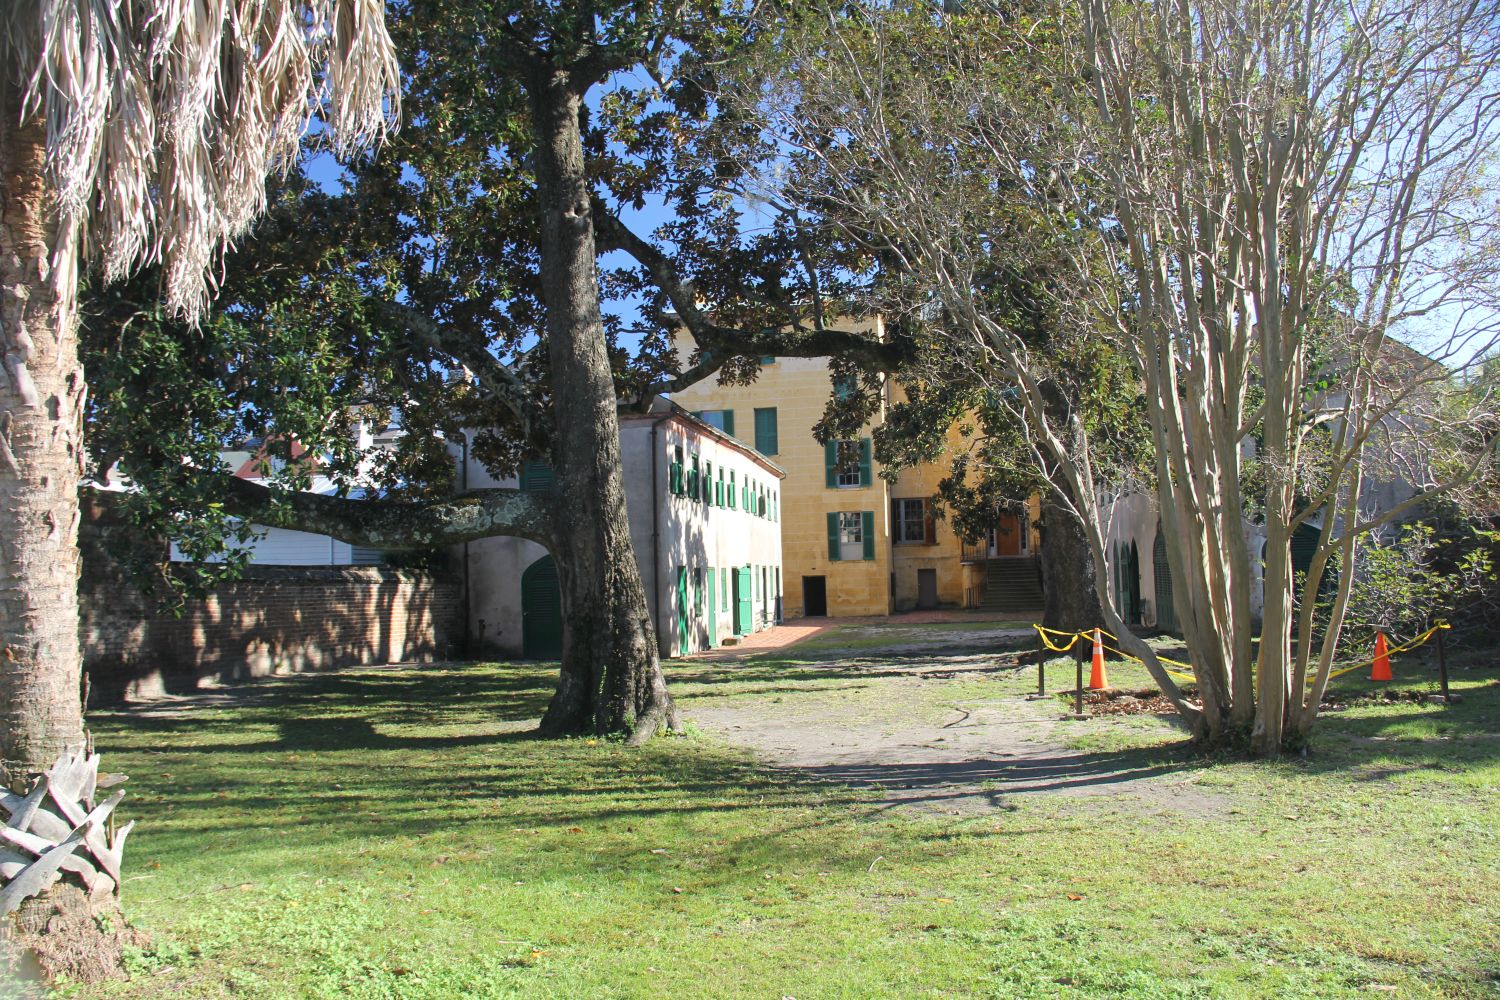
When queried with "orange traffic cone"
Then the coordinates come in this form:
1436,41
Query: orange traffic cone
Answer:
1097,680
1382,669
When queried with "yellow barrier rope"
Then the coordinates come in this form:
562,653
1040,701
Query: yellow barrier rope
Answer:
1405,647
1088,635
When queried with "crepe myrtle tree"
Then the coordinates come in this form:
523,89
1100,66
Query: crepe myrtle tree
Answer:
1266,207
459,279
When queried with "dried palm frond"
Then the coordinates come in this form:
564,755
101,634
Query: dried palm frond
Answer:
164,117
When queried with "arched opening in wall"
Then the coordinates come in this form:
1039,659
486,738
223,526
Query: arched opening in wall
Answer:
1128,583
1166,608
541,611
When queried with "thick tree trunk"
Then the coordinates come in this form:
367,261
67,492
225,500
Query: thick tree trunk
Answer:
41,402
1070,600
611,676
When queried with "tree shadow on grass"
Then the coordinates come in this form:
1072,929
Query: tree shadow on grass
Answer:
993,783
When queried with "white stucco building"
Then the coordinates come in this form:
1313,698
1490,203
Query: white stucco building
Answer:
705,512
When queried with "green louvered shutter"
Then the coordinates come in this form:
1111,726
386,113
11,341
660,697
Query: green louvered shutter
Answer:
743,625
765,430
865,476
729,422
831,464
536,476
713,628
867,529
833,537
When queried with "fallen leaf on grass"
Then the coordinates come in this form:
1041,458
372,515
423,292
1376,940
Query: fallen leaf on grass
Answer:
658,850
575,829
1074,896
677,890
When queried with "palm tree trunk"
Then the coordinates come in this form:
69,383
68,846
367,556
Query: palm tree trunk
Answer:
41,402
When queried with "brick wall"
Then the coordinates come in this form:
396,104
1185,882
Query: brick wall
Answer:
277,619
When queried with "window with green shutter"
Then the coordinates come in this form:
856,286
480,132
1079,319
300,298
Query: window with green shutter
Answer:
719,489
851,535
706,486
675,478
765,430
847,464
692,479
728,427
731,489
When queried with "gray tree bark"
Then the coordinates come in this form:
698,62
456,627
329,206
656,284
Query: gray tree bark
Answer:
611,674
41,402
1070,599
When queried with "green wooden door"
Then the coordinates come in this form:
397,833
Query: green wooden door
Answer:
713,636
743,623
541,611
683,636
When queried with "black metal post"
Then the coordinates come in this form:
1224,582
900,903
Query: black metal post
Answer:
1041,670
1442,666
1078,699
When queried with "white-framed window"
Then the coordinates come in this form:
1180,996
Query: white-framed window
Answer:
851,535
848,470
910,527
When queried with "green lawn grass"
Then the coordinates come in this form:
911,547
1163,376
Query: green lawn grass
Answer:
399,833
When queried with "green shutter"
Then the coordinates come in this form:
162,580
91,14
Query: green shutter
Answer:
730,491
742,603
831,464
833,537
765,430
536,476
682,612
867,528
713,628
865,477
729,422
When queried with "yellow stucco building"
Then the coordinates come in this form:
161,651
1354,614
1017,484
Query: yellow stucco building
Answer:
853,543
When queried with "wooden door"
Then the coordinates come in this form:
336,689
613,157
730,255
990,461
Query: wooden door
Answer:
541,611
1008,535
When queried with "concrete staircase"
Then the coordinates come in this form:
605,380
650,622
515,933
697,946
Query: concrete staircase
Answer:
1011,586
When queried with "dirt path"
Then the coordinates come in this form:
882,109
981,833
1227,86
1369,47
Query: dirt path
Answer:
912,728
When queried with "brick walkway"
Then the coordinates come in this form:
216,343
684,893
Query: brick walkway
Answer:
799,629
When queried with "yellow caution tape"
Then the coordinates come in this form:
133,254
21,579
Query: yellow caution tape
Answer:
1393,651
1088,635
